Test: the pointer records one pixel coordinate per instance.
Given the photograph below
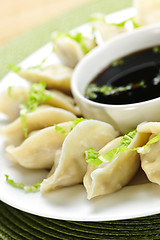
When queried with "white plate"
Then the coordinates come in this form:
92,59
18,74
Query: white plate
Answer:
140,198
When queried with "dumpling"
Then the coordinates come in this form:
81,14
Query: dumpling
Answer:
68,51
150,161
20,94
9,105
71,51
39,149
148,11
149,127
44,116
61,100
111,176
107,31
71,164
55,76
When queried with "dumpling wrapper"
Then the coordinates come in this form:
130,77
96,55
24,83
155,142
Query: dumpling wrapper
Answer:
69,51
149,127
19,95
39,149
107,31
10,105
61,100
55,76
43,116
72,165
111,176
150,161
148,11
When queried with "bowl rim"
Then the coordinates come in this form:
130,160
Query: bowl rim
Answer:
74,89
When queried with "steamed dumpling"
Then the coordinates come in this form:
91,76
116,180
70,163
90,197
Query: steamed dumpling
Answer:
19,95
107,31
44,116
39,149
149,127
148,11
61,100
55,76
111,176
70,51
9,105
71,164
150,161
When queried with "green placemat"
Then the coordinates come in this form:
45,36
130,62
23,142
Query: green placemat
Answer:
23,46
15,224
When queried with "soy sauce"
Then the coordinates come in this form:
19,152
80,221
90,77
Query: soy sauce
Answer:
139,70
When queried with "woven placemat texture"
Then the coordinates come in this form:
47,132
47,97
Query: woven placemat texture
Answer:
15,224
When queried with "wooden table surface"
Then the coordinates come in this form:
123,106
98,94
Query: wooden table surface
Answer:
18,16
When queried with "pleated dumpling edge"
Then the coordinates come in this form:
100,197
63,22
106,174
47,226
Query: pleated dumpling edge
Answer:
72,165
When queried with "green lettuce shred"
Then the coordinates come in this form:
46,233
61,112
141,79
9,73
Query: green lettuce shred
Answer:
97,17
146,148
36,96
60,129
10,91
92,157
101,17
125,142
15,68
39,66
122,24
33,188
108,157
72,125
156,49
93,89
95,159
75,122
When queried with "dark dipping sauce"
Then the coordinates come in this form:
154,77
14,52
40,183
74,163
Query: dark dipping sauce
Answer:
139,71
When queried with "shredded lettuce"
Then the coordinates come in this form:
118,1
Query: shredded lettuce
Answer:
156,49
93,89
33,188
108,157
15,68
125,142
75,122
95,159
146,148
39,66
72,125
101,17
118,62
10,91
36,96
92,157
60,129
97,16
78,37
122,24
